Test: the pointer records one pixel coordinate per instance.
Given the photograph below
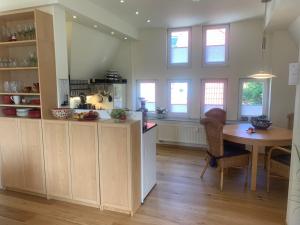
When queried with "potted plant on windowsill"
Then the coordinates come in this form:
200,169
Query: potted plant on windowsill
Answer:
119,115
161,113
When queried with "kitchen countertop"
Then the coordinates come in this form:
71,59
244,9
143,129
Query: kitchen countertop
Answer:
149,126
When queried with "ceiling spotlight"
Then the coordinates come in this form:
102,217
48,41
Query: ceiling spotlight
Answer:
112,33
122,1
125,38
74,17
148,21
95,26
137,12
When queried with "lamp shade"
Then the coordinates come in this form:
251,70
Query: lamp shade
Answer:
294,73
262,75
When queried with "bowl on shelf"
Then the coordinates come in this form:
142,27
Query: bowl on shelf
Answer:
34,113
261,122
36,101
62,113
9,111
23,112
6,99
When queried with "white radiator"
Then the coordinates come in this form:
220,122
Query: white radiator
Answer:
179,132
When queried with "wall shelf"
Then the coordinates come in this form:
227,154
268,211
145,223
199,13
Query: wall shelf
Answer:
18,43
20,106
18,68
22,94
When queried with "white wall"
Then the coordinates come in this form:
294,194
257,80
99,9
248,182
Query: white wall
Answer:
283,52
149,62
293,209
123,63
91,52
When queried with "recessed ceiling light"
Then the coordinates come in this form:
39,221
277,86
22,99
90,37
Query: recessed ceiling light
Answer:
125,38
74,17
122,1
137,12
95,26
148,21
112,33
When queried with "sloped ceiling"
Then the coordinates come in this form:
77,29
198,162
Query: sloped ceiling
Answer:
91,53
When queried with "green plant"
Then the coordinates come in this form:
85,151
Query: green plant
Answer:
118,114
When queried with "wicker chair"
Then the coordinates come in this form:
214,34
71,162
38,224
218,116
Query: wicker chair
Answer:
219,155
217,114
220,115
278,163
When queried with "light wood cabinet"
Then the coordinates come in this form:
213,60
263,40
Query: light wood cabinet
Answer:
22,154
84,162
120,159
33,156
57,158
11,154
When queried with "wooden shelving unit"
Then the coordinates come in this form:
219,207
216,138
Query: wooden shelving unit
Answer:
20,106
43,45
18,68
18,43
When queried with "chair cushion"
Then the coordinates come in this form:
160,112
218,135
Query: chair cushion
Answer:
283,158
229,144
230,151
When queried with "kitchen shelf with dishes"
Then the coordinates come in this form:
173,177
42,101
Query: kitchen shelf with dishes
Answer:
27,65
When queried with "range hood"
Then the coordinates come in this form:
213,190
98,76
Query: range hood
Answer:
107,81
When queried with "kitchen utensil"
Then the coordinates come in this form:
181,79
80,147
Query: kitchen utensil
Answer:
62,113
9,111
261,123
23,112
16,99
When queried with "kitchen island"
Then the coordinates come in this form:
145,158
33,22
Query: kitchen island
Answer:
91,163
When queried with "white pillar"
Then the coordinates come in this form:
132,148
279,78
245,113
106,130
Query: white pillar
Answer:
293,210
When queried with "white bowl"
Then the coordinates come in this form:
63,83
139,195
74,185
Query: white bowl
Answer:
22,112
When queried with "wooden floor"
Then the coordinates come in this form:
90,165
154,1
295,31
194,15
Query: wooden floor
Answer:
180,197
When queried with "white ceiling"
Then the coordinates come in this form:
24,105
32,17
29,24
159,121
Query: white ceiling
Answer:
179,13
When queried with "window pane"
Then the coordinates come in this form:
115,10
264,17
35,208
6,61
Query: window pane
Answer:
215,37
215,45
179,95
252,98
215,54
213,95
147,91
179,47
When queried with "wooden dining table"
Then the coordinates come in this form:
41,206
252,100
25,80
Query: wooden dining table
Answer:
273,136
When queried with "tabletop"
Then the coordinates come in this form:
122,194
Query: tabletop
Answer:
238,133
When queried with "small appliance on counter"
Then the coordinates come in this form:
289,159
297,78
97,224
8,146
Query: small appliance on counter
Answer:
83,104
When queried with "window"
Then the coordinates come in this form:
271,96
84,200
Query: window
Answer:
146,90
254,97
179,46
178,103
215,46
213,94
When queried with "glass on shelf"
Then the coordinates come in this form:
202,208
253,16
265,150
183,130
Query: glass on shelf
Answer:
20,32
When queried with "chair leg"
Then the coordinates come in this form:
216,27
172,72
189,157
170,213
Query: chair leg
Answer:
268,176
222,179
246,175
205,167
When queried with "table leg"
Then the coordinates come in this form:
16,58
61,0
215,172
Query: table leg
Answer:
254,167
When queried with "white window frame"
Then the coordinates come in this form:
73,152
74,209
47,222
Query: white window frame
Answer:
203,81
138,93
174,114
169,48
209,27
266,96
